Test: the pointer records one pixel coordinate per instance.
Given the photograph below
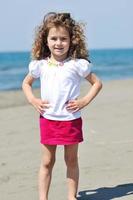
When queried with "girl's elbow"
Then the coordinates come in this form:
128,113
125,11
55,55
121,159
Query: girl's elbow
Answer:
27,82
24,83
100,85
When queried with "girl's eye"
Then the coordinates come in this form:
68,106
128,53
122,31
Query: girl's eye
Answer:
63,39
54,38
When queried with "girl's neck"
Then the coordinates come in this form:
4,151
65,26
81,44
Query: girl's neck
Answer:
54,62
54,59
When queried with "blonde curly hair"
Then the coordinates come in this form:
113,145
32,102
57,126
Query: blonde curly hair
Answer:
77,47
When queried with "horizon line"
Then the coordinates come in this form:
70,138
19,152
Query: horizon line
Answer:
91,49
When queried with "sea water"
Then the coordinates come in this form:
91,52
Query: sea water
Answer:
108,64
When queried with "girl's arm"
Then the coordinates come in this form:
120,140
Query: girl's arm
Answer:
39,105
27,87
96,87
75,105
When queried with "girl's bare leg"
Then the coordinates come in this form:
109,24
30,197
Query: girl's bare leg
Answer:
71,159
45,172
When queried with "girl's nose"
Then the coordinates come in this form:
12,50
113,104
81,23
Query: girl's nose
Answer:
58,42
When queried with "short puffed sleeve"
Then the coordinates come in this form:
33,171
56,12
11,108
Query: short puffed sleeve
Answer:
83,67
34,68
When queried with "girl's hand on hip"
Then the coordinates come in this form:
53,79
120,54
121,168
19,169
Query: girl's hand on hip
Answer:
40,105
75,105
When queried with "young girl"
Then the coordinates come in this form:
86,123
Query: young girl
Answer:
60,59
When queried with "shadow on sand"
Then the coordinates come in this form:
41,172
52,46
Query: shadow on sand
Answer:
107,193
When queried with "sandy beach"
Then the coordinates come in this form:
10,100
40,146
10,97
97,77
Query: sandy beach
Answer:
105,156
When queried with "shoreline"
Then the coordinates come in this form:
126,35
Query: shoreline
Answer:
36,88
8,96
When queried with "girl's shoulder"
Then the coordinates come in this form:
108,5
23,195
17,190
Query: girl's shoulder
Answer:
35,67
82,66
38,62
81,61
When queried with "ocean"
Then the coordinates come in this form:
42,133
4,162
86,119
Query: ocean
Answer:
108,64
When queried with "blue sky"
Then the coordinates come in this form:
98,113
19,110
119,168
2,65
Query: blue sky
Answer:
109,23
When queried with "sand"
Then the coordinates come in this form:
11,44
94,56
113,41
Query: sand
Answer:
105,156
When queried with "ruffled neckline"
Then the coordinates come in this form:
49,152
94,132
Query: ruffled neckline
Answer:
56,63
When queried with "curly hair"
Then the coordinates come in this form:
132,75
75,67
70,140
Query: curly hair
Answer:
77,47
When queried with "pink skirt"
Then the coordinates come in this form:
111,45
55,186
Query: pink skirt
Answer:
60,132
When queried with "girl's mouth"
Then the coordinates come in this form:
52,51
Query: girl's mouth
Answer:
59,49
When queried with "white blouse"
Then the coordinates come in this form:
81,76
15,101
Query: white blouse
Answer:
59,84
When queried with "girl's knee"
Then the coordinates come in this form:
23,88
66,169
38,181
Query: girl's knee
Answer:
71,161
48,163
48,156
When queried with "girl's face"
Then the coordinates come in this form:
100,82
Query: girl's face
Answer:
58,41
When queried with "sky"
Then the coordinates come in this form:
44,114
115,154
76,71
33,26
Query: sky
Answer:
108,23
